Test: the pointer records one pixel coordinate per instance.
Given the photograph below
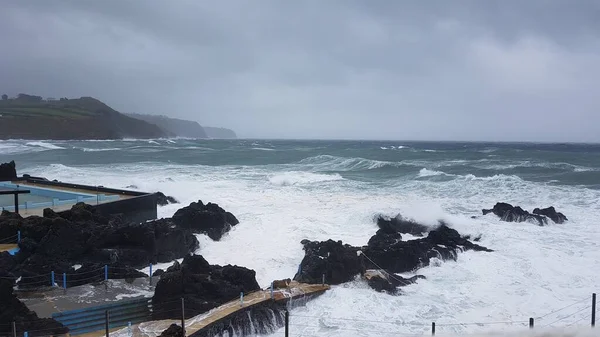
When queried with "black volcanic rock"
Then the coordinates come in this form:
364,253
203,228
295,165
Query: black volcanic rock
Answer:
398,224
209,219
202,285
551,213
13,310
510,213
338,262
8,171
163,200
83,236
389,283
173,330
404,256
385,251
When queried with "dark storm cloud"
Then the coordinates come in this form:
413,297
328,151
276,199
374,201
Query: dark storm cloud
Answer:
478,70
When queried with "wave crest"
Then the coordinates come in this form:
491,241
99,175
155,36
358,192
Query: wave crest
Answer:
294,178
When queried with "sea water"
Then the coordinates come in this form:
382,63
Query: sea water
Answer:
286,191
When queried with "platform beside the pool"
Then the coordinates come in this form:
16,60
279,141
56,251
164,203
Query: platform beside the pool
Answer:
61,196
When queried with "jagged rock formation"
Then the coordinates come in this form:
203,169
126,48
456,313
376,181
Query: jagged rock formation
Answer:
385,250
209,219
8,171
13,310
55,242
202,285
510,213
163,200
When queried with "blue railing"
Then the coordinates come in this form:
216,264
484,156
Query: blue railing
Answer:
91,319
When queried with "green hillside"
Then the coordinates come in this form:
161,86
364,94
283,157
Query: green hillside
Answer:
31,117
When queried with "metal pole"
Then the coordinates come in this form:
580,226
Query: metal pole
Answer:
593,310
25,334
14,328
241,299
52,278
271,290
65,280
129,328
433,328
183,317
323,280
531,323
106,323
287,323
150,273
105,273
16,202
18,236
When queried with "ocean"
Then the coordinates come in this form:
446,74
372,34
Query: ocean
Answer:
284,191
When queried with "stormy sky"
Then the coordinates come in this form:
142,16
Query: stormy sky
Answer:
509,70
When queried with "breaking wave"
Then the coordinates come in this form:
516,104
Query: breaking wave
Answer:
301,178
45,145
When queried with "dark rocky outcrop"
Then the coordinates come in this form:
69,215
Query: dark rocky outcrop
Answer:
202,285
338,262
385,250
163,200
82,236
399,224
175,127
389,283
13,310
551,213
510,213
8,171
209,219
173,330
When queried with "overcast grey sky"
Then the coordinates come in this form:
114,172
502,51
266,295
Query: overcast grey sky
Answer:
517,70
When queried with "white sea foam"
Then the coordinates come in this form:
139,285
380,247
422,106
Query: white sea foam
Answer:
103,149
301,178
45,145
532,272
424,172
262,149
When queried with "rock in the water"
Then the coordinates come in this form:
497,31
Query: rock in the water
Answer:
13,310
174,330
338,262
203,287
405,256
510,213
163,200
398,224
8,171
341,263
551,213
389,283
209,219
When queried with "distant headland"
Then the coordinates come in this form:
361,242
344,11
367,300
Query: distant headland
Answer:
32,117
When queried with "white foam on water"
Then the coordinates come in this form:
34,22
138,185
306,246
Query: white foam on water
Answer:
45,145
532,272
301,178
424,172
100,149
262,149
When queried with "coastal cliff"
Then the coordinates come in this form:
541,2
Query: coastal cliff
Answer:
31,117
177,127
220,133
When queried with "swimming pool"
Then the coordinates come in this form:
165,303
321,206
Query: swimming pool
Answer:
40,197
